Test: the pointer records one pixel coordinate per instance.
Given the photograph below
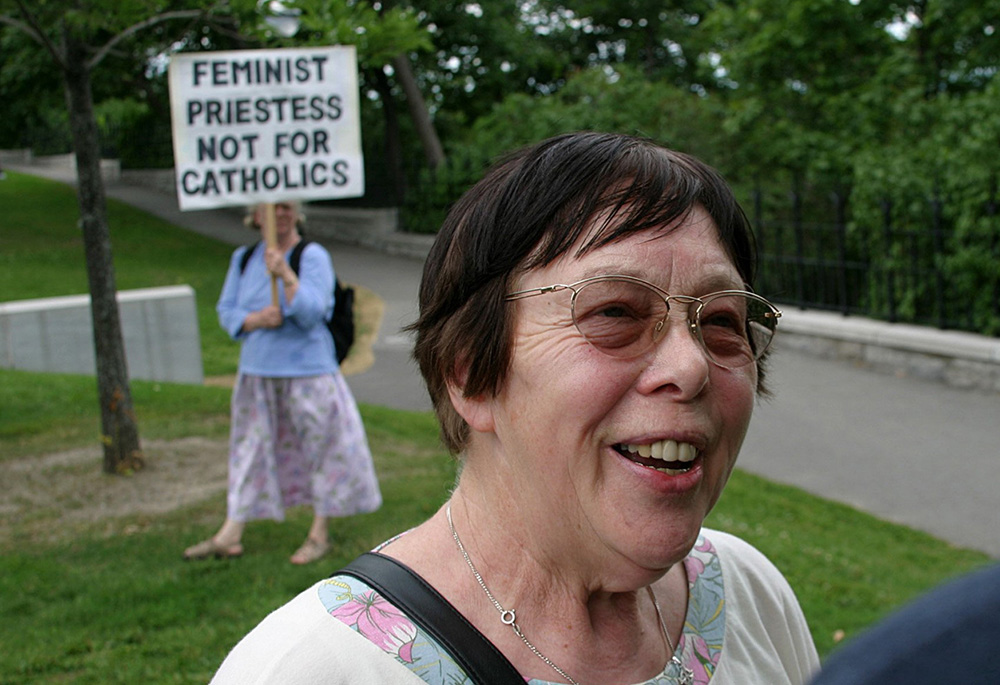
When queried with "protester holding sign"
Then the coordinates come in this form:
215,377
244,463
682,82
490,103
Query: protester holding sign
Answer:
296,436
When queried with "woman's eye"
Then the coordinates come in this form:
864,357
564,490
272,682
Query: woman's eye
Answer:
615,310
723,320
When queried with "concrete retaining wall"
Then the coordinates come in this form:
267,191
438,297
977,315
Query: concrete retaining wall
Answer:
962,360
17,156
373,228
55,334
163,180
111,169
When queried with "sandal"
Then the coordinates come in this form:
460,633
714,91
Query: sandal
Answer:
310,551
211,548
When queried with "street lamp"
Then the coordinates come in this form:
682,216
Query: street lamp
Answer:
284,20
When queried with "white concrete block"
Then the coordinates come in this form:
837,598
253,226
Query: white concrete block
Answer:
55,334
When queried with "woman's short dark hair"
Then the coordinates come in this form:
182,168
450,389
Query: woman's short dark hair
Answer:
528,210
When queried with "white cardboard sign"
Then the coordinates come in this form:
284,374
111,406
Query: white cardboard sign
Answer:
266,126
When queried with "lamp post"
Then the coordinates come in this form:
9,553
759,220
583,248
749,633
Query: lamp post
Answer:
284,20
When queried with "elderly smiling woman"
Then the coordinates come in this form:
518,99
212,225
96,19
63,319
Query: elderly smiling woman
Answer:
593,349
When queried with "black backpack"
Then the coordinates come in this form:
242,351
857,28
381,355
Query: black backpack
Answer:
341,324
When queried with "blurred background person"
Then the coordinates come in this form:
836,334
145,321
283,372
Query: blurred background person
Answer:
296,436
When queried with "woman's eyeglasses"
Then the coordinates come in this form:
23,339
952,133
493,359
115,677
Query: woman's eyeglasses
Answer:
624,316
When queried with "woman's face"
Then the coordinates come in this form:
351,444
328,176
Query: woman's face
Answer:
285,218
569,417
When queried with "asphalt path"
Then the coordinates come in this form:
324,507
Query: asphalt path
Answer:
910,451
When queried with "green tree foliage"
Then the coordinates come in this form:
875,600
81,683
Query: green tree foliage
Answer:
605,99
665,40
378,36
942,156
31,90
795,74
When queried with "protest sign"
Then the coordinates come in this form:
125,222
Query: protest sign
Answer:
267,126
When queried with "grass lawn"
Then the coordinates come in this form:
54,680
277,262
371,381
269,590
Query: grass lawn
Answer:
110,601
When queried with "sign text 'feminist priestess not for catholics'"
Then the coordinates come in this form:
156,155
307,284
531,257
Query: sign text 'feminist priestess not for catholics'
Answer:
266,126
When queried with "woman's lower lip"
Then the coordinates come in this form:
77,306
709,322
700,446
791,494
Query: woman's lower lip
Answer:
670,481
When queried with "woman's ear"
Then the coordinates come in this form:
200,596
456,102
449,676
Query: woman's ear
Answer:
476,411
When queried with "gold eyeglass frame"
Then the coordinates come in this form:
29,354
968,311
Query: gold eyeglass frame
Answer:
694,321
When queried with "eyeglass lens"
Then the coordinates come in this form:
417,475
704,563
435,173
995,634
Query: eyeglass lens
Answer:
625,319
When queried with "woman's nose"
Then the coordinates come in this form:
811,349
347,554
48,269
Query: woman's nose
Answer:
678,362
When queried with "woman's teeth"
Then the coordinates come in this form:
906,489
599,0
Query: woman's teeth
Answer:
668,451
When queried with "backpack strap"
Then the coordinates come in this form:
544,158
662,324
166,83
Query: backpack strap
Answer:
294,258
245,257
478,657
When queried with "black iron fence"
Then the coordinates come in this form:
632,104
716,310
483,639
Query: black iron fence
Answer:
429,193
921,262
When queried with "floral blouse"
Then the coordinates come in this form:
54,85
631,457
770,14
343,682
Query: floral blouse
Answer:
357,605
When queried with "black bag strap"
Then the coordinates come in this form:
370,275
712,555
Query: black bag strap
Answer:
399,584
245,257
294,258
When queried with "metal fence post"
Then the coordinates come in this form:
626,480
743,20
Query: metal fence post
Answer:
938,240
840,229
800,289
890,281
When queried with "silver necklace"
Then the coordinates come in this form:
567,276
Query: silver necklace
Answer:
508,618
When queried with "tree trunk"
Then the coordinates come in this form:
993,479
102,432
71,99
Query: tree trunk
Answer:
393,146
119,431
418,110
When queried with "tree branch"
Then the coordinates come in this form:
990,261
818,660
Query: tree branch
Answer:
144,24
31,28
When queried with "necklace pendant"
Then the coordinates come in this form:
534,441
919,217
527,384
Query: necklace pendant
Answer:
685,675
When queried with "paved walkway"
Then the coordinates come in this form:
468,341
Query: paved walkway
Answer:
910,451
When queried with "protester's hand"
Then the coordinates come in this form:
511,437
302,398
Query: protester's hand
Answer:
268,317
279,268
274,258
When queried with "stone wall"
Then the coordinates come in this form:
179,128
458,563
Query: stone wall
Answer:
958,359
55,334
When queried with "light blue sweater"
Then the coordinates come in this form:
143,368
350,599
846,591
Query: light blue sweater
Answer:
302,345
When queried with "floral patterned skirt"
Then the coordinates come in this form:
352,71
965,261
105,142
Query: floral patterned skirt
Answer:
298,441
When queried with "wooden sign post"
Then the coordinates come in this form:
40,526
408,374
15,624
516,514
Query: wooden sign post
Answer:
271,240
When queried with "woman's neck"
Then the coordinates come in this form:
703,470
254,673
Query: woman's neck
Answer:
287,241
585,629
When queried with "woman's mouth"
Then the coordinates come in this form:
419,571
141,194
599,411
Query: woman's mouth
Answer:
666,456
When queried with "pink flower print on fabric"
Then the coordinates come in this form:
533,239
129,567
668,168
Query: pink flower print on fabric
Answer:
383,624
705,662
694,567
705,623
